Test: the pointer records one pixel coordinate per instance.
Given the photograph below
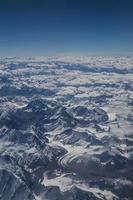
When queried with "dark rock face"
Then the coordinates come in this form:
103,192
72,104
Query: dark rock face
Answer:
12,187
94,115
65,131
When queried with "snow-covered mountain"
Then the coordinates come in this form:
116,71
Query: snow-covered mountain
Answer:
66,128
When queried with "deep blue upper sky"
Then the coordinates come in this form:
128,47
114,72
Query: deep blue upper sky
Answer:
45,27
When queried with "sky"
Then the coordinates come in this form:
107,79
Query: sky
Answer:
54,27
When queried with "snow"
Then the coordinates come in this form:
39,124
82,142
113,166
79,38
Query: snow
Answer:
101,82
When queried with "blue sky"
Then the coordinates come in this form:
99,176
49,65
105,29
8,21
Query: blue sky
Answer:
49,27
